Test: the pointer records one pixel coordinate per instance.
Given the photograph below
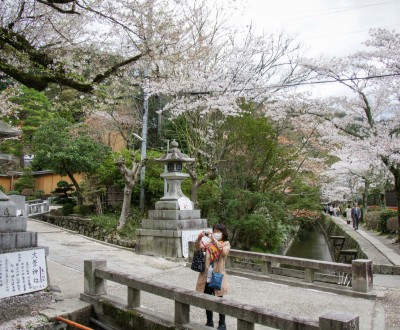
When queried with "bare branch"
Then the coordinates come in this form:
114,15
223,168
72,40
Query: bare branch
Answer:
51,3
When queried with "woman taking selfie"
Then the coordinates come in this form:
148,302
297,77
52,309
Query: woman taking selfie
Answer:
217,249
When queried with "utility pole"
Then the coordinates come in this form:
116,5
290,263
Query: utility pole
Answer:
144,146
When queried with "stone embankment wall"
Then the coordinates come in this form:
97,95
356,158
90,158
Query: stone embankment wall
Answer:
85,227
332,226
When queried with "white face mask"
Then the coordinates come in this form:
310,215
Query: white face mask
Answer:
217,236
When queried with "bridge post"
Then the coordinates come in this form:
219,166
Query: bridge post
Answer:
266,267
182,313
92,284
309,275
361,271
244,325
228,262
133,298
339,321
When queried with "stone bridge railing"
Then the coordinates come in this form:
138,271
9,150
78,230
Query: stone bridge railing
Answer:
95,289
36,207
359,271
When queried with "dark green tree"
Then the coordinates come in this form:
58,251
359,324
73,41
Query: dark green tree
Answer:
25,181
60,147
254,174
33,110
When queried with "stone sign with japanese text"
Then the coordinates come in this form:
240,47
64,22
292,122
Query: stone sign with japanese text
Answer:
188,236
22,272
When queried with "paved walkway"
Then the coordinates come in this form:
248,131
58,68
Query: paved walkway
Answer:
383,244
68,251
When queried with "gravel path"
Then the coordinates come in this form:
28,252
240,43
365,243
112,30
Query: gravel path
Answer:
27,308
391,304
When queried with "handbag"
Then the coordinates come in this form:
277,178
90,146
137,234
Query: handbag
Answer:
198,261
216,281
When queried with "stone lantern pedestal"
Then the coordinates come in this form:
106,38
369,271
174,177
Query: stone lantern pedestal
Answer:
22,263
174,221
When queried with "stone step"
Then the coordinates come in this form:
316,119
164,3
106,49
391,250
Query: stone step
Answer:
18,240
174,224
174,214
12,224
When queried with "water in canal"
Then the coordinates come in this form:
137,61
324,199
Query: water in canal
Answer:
310,244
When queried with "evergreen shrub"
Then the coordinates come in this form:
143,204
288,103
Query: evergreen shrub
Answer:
392,225
372,219
83,209
67,209
13,192
384,217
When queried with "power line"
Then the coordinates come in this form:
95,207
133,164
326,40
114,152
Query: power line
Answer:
350,32
338,10
295,85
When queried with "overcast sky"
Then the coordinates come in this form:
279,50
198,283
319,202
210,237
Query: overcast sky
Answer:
335,28
332,28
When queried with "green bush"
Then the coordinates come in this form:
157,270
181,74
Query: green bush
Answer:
38,194
67,209
26,181
13,192
384,217
392,225
372,219
83,209
107,221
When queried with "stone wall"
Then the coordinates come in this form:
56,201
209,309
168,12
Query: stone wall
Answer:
85,227
336,227
333,228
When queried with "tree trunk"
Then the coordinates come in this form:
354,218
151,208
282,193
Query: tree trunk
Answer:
131,177
397,190
77,188
99,209
366,195
126,206
194,194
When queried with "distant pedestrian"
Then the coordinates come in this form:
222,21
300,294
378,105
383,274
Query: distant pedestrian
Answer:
335,211
338,211
216,252
355,216
348,214
330,209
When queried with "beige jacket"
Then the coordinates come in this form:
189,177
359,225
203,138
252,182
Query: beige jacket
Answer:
219,266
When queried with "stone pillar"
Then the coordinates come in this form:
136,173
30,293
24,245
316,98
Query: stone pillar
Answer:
245,325
182,313
339,321
92,284
361,271
13,234
19,246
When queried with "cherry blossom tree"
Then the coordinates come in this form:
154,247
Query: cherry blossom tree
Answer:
369,122
354,175
241,70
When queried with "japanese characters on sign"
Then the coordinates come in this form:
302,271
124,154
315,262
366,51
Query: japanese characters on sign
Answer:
22,272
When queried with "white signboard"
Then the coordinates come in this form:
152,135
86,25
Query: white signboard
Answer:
185,203
22,272
190,236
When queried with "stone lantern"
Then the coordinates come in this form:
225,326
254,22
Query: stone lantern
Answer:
174,222
174,199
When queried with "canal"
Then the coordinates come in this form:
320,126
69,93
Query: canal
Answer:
310,244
